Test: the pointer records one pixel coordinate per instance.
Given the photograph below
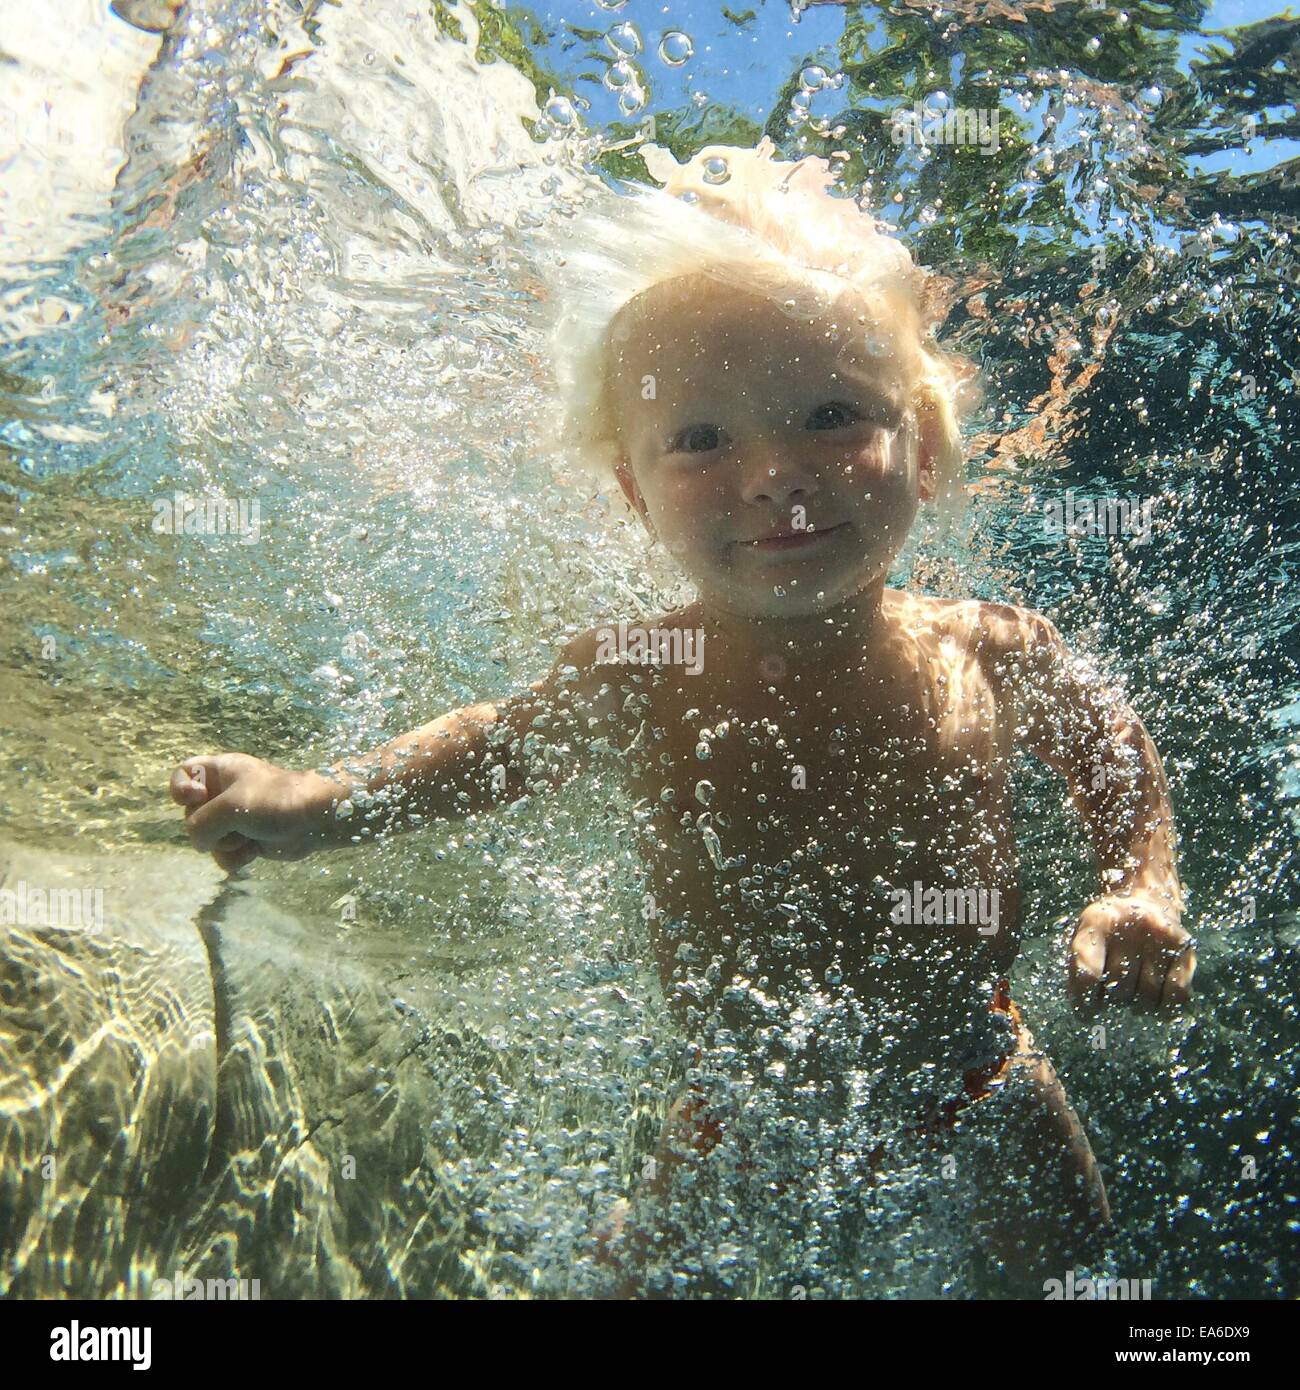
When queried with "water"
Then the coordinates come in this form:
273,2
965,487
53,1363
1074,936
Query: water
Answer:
310,271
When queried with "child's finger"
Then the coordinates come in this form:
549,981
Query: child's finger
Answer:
212,773
1087,965
1151,979
1123,969
233,859
188,789
1178,979
210,822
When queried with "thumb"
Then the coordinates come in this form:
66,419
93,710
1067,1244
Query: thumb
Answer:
197,780
1087,962
190,786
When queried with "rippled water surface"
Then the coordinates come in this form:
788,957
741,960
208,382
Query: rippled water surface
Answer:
295,253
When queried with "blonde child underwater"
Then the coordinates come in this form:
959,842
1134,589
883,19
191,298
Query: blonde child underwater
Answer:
829,851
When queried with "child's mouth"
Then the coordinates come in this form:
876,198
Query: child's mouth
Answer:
798,540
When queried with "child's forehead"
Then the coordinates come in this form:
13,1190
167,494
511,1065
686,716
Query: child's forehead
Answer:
694,324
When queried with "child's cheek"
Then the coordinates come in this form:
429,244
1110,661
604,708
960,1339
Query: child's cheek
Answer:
874,474
692,507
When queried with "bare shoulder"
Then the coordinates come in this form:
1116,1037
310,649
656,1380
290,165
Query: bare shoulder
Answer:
1000,635
1019,649
582,673
996,627
597,670
1007,630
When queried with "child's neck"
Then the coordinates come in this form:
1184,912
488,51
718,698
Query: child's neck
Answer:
832,645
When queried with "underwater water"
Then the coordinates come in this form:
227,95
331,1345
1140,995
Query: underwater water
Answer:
292,255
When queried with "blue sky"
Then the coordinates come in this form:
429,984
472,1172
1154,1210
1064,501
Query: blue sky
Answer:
742,67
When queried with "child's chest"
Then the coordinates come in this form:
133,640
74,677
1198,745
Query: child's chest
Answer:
922,752
776,843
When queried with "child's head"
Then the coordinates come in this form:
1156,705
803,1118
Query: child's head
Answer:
750,358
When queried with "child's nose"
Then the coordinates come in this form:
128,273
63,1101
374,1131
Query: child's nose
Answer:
774,474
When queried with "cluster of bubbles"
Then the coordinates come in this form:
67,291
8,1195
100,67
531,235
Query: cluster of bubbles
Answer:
813,80
624,75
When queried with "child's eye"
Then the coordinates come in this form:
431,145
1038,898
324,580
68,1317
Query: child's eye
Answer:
834,415
696,439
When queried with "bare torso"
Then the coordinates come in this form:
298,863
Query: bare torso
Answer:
770,862
772,868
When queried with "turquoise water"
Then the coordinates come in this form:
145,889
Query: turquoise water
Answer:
313,277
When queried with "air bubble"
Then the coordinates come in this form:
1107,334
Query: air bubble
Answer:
716,170
620,75
624,38
676,48
632,99
560,110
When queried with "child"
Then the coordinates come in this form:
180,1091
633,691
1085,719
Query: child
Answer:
823,760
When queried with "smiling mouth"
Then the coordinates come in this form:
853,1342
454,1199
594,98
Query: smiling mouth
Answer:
797,540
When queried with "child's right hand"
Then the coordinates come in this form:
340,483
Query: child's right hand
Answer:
238,807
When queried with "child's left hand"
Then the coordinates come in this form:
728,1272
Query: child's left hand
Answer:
1130,946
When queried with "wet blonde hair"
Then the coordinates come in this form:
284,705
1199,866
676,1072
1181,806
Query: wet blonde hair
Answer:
765,226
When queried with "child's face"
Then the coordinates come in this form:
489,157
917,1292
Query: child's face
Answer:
739,423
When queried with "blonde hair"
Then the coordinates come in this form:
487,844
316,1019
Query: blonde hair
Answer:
763,225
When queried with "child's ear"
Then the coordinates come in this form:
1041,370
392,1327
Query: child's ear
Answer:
623,472
928,445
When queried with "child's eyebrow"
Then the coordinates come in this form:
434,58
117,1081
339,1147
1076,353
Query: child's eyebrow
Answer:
875,398
691,396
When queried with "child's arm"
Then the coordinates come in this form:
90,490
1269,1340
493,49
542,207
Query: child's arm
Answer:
238,807
1129,942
